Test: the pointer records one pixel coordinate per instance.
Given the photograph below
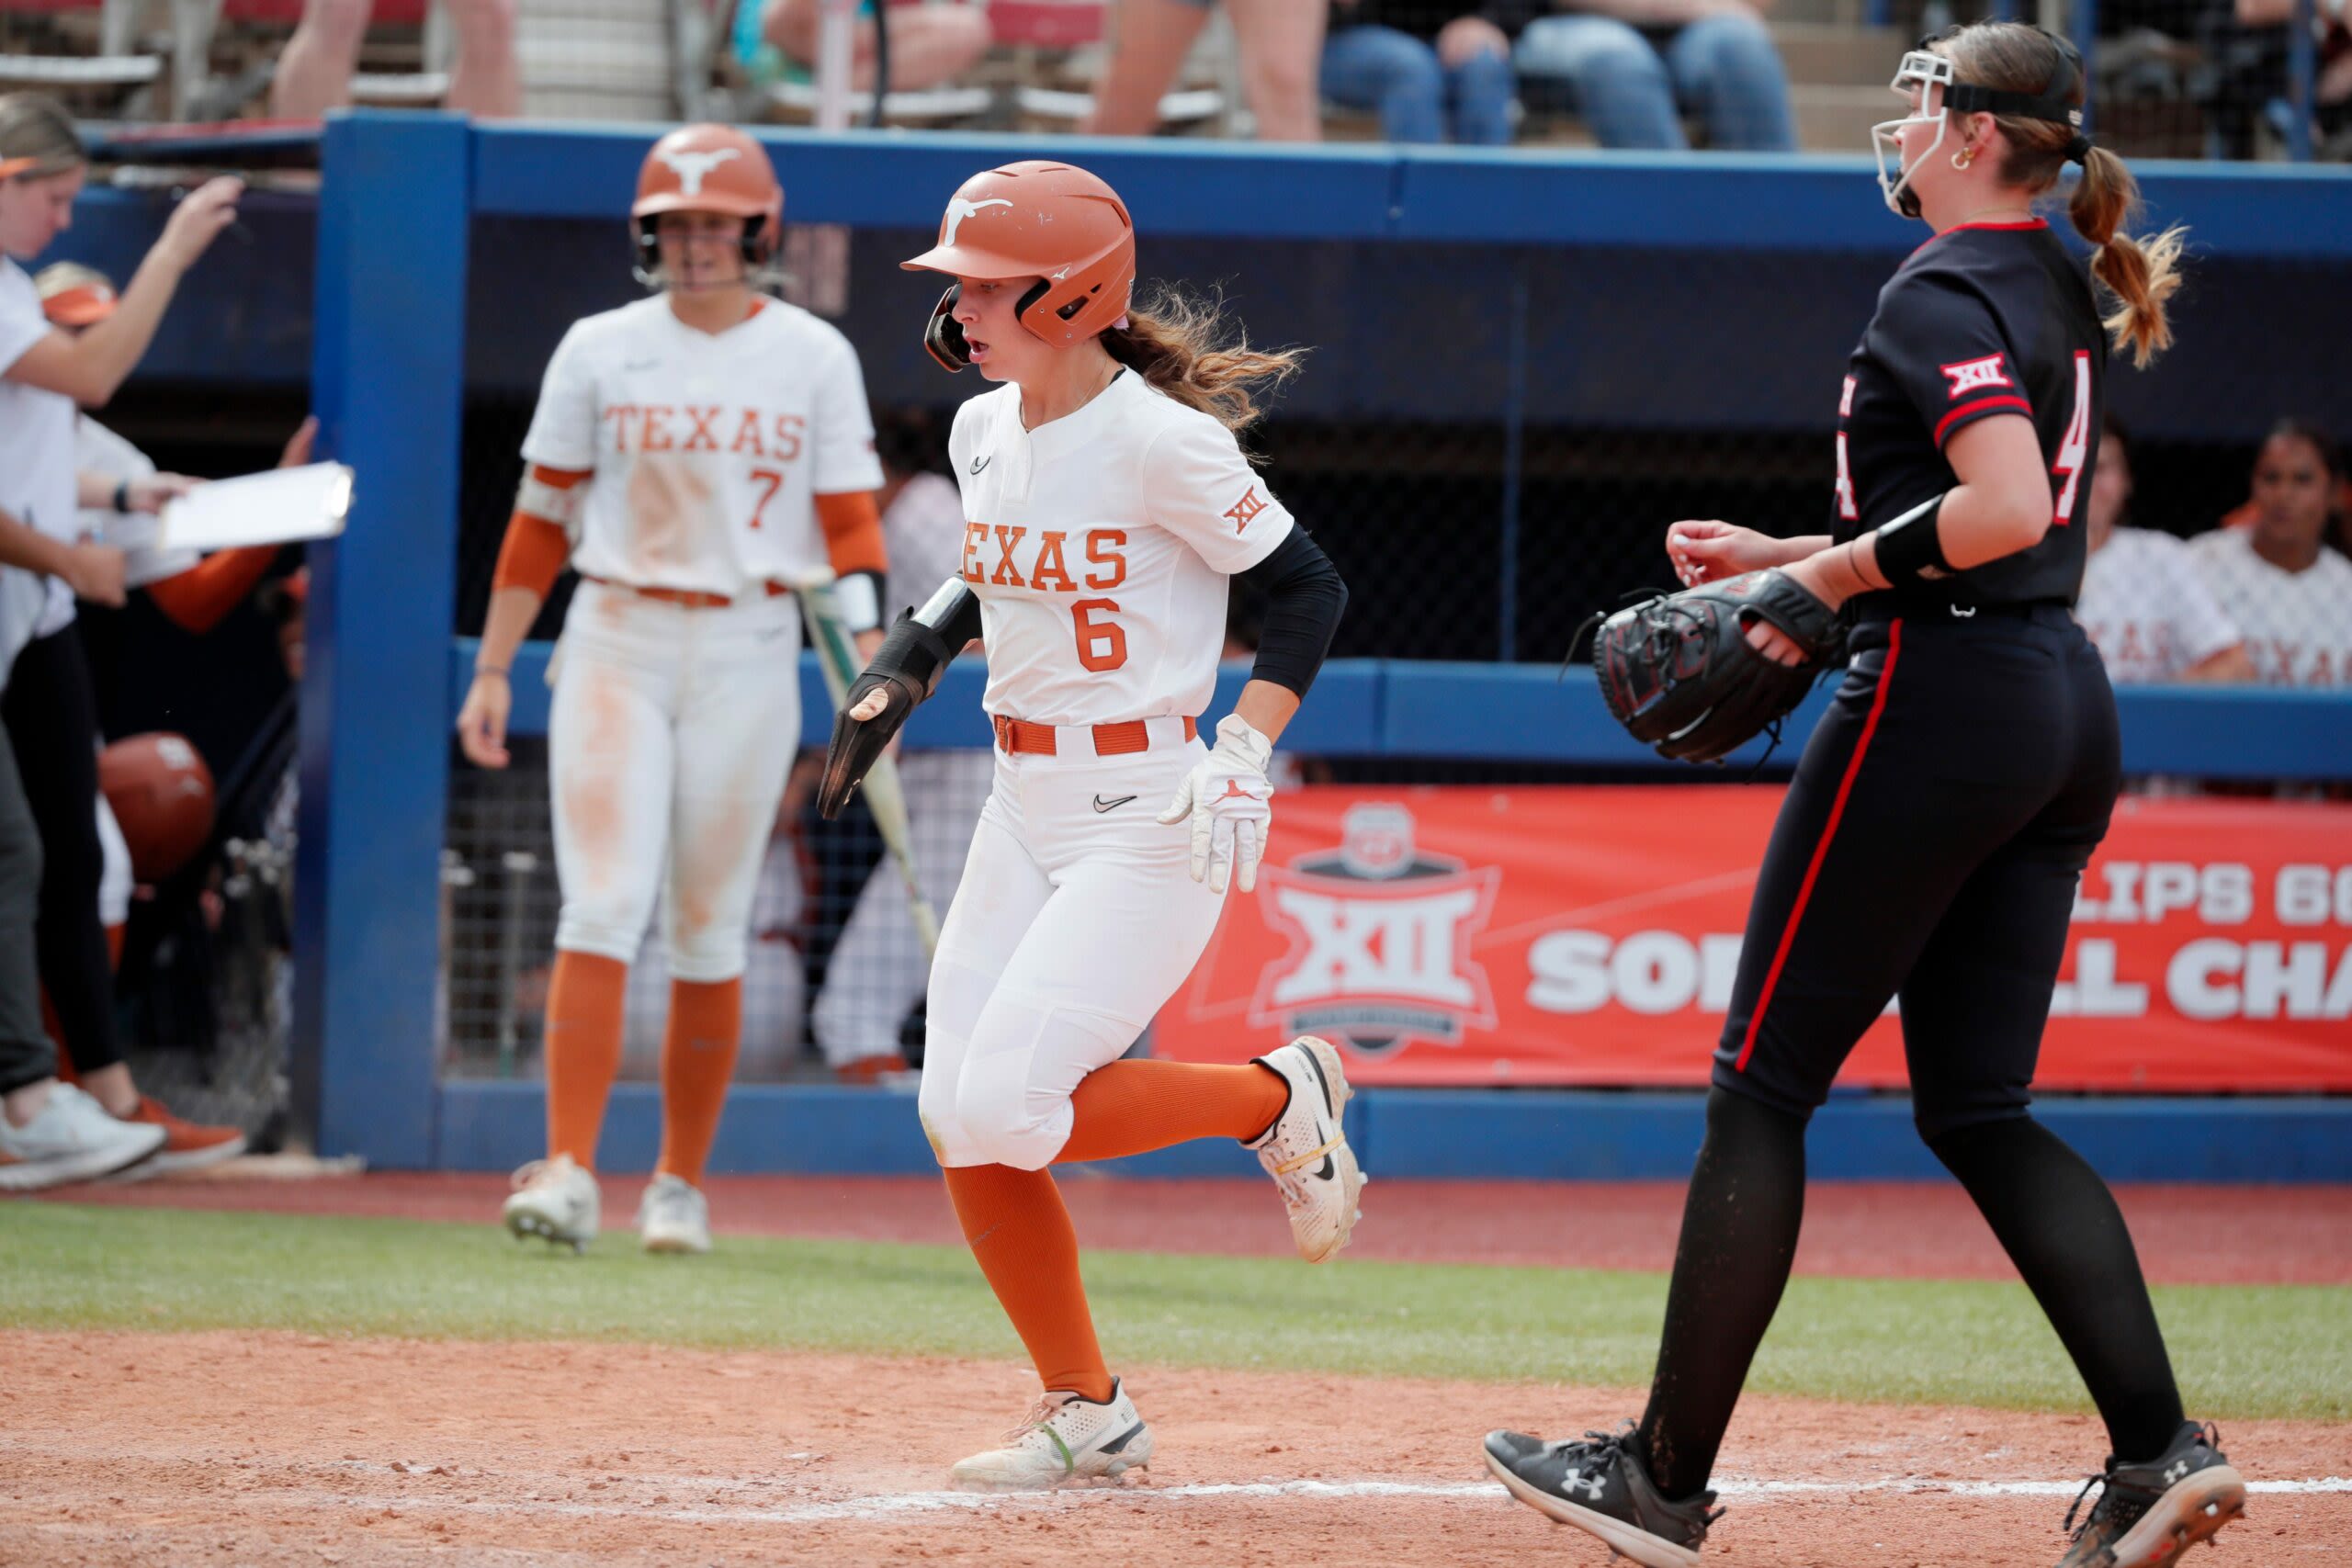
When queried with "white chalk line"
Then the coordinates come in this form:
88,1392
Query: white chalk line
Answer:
881,1508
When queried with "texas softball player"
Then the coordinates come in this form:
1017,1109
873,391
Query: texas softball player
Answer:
1106,505
691,455
1941,814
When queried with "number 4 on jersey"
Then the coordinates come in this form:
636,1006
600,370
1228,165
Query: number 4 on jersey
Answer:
2074,447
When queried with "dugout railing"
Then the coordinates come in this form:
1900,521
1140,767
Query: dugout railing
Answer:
418,212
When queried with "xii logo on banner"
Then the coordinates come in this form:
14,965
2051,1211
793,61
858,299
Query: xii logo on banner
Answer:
1380,937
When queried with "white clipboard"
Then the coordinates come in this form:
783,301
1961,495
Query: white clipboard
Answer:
278,507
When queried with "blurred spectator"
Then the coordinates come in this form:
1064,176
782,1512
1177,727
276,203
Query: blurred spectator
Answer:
2142,601
1631,66
314,72
876,973
930,44
1436,70
2254,55
50,709
50,1131
1280,43
2276,577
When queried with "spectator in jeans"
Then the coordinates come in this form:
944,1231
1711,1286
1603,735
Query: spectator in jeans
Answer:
2276,577
2143,603
929,44
314,72
1280,43
1632,66
50,1131
1436,70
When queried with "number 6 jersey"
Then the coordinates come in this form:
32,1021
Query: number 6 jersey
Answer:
1099,544
1983,319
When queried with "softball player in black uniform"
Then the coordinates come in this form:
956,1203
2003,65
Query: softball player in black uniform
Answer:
1942,812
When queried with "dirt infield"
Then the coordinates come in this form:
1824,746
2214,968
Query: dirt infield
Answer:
2187,1236
288,1451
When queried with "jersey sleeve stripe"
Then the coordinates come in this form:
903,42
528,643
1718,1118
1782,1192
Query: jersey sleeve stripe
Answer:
1980,407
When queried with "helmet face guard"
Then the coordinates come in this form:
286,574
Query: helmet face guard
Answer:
1931,75
758,245
1943,94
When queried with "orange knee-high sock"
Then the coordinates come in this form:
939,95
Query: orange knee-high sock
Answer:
1131,1108
1022,1235
583,1050
697,1063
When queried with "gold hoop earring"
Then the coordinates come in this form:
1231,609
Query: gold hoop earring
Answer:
1966,156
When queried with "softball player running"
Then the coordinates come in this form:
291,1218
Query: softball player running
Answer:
1931,842
1106,505
692,454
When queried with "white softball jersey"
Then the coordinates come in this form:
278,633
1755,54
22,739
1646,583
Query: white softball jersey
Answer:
1099,544
708,448
2297,632
36,482
2148,610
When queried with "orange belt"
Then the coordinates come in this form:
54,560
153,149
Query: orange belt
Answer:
1018,735
692,598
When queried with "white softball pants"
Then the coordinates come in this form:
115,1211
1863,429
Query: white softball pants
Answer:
1077,918
672,730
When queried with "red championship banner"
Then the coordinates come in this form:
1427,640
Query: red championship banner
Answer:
1589,935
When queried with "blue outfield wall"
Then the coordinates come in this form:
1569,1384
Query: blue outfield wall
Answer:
1445,1134
406,241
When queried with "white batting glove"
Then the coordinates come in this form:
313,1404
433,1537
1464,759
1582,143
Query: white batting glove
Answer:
1226,796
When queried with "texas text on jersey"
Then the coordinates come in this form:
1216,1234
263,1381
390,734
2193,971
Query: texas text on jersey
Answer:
1100,546
1983,319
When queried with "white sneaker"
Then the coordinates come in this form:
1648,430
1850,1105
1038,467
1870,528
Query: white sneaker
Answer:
1307,1152
556,1198
73,1139
1063,1441
673,1217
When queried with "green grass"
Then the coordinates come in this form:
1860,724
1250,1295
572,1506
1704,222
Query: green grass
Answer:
2243,1351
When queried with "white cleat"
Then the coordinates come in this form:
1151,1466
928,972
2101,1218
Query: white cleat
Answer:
555,1198
673,1217
1063,1441
73,1139
1307,1152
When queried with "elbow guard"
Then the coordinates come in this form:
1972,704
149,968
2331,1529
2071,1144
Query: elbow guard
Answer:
906,668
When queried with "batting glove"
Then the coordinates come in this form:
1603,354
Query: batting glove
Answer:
1226,796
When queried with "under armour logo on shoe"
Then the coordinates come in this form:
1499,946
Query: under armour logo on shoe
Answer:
1574,1481
1968,614
2172,1472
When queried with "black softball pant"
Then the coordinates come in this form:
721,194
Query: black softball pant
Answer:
1930,848
52,717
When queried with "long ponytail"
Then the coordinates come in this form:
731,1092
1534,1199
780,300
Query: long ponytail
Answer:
2142,274
1183,347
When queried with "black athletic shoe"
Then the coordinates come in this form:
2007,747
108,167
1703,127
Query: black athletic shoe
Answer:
1600,1485
2148,1514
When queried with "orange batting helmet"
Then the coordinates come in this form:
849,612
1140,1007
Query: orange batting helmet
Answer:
1051,221
708,168
72,295
161,793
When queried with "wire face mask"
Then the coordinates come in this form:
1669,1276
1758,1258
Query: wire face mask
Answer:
1932,75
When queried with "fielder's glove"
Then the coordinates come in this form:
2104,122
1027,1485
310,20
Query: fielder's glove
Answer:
1678,671
1226,796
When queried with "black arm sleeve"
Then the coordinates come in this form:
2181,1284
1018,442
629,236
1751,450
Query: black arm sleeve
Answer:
1304,600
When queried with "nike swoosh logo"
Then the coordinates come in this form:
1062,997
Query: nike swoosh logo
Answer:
1330,1168
979,463
640,364
1121,1441
1103,805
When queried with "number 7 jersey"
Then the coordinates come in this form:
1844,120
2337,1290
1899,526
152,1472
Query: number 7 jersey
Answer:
1099,546
1982,320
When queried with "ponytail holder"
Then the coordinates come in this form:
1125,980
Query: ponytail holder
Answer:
2078,150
